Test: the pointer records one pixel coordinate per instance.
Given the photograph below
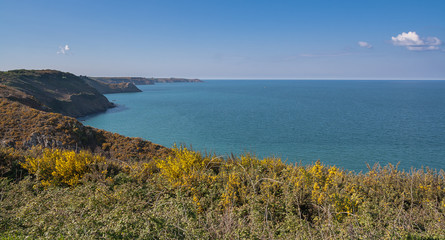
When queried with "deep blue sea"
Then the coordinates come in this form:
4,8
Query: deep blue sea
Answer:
342,123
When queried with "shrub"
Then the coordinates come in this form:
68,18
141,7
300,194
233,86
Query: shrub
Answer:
183,166
196,196
61,167
9,163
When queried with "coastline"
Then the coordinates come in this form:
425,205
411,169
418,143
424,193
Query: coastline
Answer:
61,179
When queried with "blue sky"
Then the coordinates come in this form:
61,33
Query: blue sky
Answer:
227,39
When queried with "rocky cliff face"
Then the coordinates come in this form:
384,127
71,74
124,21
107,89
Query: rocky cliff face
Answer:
55,91
134,80
30,105
21,97
106,88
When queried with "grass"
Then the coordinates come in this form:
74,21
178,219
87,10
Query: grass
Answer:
189,195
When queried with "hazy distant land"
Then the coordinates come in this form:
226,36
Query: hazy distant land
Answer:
142,80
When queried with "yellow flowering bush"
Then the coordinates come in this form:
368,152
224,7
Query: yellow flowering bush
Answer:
57,166
189,170
183,166
231,190
236,197
323,180
327,187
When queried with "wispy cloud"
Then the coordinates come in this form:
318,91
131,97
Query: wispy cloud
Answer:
325,55
64,50
364,44
414,42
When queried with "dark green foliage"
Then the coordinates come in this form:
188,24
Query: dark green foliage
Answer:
9,164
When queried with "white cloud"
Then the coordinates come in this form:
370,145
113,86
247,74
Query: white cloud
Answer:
414,42
64,50
364,44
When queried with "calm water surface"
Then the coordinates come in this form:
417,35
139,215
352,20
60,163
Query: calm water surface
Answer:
346,123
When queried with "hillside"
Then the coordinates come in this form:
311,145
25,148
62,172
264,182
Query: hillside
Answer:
22,127
63,194
106,88
143,81
55,91
21,97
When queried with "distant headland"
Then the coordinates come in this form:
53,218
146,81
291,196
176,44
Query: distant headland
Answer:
68,94
38,106
142,80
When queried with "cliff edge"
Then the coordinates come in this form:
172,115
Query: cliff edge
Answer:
54,91
106,88
22,127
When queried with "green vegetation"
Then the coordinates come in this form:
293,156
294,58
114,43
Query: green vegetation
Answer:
188,195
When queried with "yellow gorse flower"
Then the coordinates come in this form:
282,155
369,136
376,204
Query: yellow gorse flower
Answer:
182,166
57,166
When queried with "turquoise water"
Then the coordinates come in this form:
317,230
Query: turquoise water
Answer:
345,123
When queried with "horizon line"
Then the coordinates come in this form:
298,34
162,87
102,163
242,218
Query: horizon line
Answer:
347,79
256,78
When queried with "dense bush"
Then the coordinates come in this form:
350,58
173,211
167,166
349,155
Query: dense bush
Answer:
190,195
10,163
61,167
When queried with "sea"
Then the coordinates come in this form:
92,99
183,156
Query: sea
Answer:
352,124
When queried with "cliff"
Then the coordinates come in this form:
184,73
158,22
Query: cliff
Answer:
106,88
54,91
175,80
134,80
21,97
23,127
37,109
